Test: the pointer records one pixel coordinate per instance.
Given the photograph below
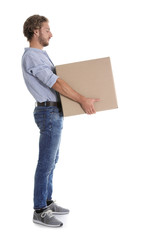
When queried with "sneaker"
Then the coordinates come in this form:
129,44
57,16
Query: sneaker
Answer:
46,218
57,210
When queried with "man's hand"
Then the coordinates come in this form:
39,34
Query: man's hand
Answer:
87,104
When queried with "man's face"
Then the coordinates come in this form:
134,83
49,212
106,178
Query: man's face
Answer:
44,34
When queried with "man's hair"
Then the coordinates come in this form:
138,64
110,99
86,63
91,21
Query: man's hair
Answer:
32,23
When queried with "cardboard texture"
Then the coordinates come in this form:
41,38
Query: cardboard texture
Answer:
92,79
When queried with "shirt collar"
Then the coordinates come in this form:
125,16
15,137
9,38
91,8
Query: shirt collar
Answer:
34,49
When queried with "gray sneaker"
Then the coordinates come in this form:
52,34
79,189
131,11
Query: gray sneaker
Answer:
46,218
57,210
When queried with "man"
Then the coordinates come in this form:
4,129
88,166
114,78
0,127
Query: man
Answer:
43,83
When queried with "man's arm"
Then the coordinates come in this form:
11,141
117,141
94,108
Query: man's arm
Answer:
86,103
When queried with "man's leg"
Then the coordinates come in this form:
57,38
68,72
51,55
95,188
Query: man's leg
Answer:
50,121
57,210
50,180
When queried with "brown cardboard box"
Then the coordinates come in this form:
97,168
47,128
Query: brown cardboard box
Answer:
92,78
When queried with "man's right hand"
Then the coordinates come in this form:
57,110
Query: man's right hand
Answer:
87,104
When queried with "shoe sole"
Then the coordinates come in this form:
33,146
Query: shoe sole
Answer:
60,213
47,225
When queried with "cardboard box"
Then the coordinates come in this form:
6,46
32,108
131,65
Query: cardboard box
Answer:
93,79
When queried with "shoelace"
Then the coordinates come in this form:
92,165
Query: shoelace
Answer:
48,212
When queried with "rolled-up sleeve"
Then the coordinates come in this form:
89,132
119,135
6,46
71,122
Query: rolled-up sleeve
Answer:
40,70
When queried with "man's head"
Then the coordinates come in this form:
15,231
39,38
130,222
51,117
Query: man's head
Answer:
36,28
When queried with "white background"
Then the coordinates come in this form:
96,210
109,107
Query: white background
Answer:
99,176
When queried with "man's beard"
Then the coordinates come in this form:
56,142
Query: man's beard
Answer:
42,41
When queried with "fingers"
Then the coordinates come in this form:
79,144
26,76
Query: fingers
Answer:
91,110
97,99
88,105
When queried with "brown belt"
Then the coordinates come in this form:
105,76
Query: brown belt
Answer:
49,104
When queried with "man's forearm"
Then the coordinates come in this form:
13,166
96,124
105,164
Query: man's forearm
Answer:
63,88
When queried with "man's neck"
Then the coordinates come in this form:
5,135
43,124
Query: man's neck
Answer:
36,45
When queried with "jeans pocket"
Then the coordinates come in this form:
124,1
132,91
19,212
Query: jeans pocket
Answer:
40,119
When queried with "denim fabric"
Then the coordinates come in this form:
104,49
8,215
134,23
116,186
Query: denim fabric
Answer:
50,122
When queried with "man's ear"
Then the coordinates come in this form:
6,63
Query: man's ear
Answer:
36,32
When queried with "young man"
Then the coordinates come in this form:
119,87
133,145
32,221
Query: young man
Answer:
43,83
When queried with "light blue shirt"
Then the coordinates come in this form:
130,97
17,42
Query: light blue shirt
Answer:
39,75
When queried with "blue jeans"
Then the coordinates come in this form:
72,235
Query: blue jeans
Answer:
50,122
